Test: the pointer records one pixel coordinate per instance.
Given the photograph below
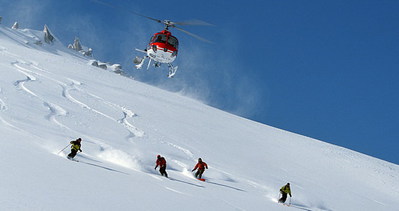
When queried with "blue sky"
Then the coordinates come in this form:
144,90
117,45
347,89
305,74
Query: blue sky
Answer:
323,69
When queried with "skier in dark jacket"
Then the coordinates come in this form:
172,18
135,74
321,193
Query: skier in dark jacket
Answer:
161,162
284,191
75,147
201,168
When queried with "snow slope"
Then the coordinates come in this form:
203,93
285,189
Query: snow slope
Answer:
50,95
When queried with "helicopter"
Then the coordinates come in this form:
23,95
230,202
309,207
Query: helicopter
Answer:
163,46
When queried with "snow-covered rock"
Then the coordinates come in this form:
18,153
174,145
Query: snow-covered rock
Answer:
48,37
77,46
15,25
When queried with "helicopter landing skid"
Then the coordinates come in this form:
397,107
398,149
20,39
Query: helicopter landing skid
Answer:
172,70
139,61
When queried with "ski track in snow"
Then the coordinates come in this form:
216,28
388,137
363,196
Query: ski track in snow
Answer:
57,110
4,52
174,190
126,113
182,149
7,123
21,83
107,153
67,94
3,105
3,108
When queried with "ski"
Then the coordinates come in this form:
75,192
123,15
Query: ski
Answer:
288,205
71,159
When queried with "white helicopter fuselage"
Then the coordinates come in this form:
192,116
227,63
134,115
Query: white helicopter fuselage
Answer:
161,55
162,49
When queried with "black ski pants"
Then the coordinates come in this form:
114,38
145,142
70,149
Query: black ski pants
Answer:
73,153
199,173
283,197
162,170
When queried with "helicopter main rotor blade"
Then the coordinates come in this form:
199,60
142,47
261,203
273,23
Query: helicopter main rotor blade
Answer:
193,23
126,10
154,19
193,35
167,23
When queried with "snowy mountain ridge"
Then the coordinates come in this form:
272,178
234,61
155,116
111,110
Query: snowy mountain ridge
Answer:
50,95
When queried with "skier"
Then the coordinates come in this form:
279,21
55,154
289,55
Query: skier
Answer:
201,168
75,147
161,162
284,191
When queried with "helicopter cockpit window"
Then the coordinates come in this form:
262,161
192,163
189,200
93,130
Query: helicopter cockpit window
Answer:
173,42
152,39
160,38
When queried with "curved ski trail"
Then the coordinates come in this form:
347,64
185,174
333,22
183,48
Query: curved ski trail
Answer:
106,152
4,107
55,110
126,113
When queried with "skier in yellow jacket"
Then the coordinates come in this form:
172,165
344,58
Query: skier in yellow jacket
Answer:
75,147
284,191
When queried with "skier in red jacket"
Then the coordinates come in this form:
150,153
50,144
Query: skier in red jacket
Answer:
201,168
161,162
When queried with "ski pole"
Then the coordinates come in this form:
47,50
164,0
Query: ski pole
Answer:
290,201
63,149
